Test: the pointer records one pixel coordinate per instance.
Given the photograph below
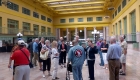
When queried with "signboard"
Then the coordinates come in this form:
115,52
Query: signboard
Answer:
0,43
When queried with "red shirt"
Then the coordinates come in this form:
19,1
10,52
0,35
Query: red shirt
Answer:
19,57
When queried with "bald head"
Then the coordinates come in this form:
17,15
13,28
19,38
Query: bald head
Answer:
113,39
61,38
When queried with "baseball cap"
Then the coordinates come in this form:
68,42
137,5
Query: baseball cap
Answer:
21,42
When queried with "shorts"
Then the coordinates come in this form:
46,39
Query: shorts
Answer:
123,58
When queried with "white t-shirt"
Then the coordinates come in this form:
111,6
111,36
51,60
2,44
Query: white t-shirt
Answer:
54,51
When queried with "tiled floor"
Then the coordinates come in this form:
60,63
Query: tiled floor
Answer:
133,69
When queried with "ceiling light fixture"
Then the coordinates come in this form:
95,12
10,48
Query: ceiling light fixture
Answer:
111,7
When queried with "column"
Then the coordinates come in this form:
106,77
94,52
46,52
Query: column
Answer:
104,33
85,33
107,33
67,34
76,31
57,33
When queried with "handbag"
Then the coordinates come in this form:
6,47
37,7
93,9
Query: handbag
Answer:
45,55
30,64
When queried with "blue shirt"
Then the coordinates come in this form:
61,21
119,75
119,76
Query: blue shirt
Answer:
76,55
35,47
114,52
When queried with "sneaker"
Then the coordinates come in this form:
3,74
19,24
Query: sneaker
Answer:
43,76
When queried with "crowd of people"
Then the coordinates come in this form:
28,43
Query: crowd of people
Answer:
112,57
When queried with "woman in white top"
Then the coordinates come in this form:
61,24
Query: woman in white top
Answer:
46,62
55,60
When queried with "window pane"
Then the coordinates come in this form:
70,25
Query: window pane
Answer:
13,6
62,20
116,13
89,19
43,17
80,19
119,8
125,25
113,16
26,26
35,14
49,20
71,20
43,29
98,18
123,3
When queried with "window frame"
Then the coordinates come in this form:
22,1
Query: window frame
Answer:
88,19
71,20
80,20
35,14
62,20
98,18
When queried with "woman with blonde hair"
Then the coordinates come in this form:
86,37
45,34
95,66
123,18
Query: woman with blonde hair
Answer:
55,59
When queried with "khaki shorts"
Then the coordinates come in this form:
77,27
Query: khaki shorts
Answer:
123,58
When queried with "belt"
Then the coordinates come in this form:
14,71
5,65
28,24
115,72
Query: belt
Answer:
21,65
55,57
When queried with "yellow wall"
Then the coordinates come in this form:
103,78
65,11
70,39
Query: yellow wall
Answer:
94,23
7,13
130,6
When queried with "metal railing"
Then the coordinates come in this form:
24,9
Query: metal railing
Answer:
14,31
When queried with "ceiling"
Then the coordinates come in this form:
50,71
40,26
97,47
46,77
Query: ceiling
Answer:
78,6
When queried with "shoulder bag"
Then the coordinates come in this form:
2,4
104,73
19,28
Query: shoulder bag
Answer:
30,64
45,55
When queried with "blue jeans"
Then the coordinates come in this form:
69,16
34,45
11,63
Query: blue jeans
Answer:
77,72
101,58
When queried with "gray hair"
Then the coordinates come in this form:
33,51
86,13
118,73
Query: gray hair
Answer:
47,41
36,39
